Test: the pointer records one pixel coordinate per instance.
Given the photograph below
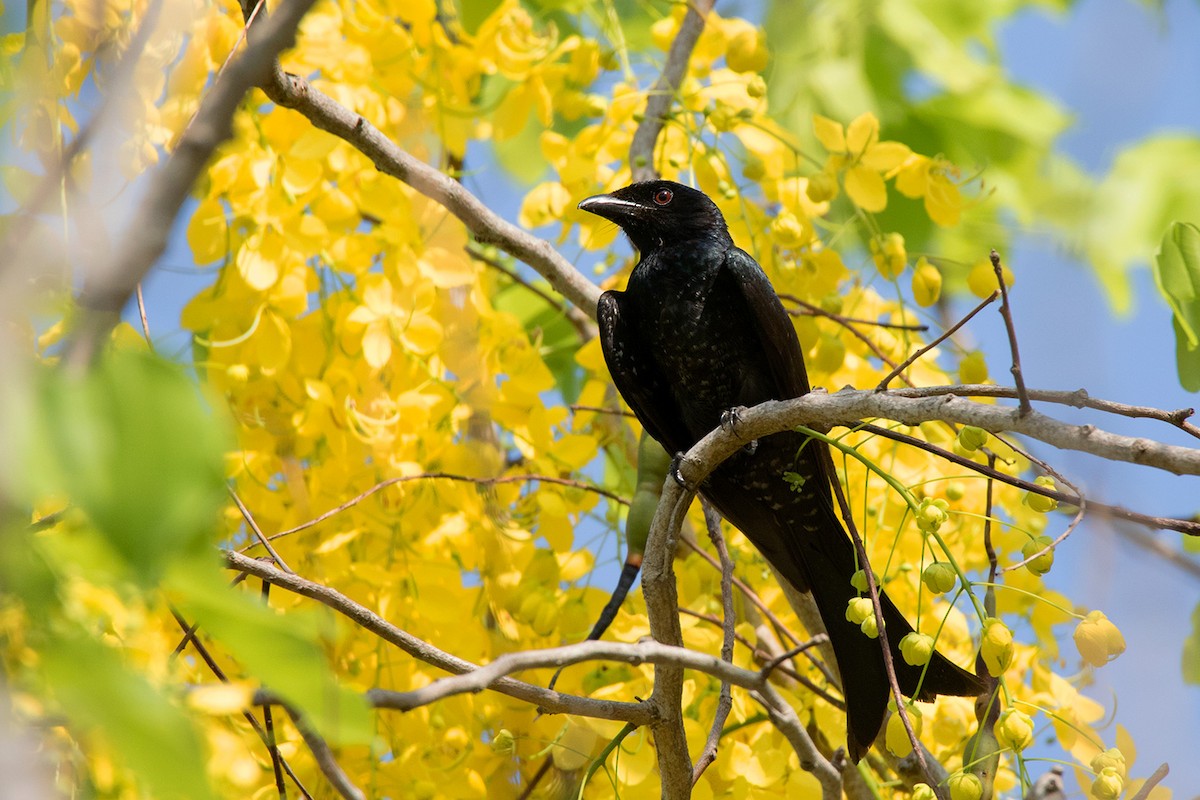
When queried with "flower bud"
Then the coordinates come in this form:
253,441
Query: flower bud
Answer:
788,230
1014,730
821,187
1112,757
1098,640
504,742
981,280
757,87
996,647
858,609
1039,502
931,514
889,254
939,577
973,368
971,438
1108,784
859,580
926,283
965,786
916,648
1040,565
870,626
922,791
896,739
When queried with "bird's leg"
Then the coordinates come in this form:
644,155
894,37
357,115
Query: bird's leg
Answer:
730,417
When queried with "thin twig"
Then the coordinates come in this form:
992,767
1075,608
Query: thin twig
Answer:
1076,399
712,520
662,93
1190,527
141,305
814,310
447,476
582,324
1071,526
269,724
215,668
325,758
619,412
883,384
258,534
777,663
1006,312
1154,779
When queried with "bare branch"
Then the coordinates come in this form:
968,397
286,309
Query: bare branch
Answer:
1154,779
821,409
296,93
325,758
712,519
1006,312
117,272
662,93
662,598
547,701
946,334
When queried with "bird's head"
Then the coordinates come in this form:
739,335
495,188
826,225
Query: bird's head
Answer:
655,213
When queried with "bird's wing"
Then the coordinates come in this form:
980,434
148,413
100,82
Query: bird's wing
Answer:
638,378
771,323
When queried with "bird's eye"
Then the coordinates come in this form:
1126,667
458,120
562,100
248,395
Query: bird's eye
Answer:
663,196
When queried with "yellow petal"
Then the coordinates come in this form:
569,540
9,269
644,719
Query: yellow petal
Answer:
862,133
866,189
885,156
377,344
222,699
829,133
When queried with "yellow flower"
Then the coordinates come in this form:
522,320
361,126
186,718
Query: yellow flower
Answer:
889,254
896,738
997,646
1108,784
965,786
939,577
864,158
929,178
916,648
1014,730
926,283
1112,757
1098,640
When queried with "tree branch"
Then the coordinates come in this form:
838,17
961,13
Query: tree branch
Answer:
662,93
296,93
547,701
116,274
845,407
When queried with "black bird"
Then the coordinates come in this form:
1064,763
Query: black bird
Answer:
699,331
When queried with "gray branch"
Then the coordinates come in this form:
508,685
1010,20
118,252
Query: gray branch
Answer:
116,274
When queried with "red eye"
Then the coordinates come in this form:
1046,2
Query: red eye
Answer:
663,196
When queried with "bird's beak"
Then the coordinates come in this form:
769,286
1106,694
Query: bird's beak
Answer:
611,208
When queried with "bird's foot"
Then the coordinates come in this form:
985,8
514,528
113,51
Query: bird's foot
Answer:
676,463
730,418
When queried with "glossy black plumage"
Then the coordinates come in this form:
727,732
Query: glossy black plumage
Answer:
698,331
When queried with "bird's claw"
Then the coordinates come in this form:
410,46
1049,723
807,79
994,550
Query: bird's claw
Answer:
730,418
676,463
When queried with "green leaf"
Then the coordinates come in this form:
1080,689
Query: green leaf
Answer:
284,652
150,734
1150,185
1177,275
132,445
1191,651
